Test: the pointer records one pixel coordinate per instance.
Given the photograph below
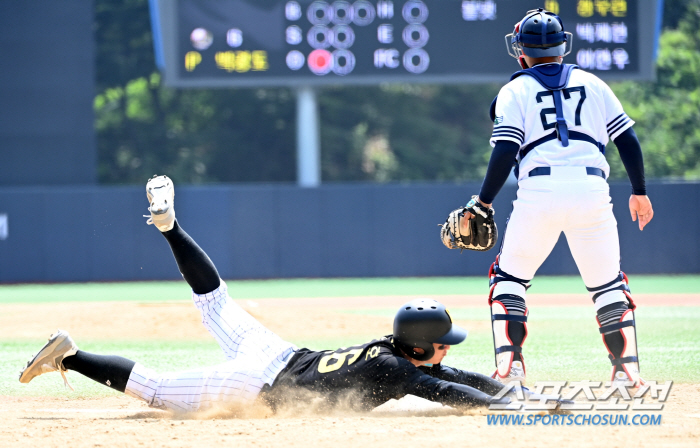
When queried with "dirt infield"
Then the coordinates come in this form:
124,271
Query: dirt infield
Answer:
125,422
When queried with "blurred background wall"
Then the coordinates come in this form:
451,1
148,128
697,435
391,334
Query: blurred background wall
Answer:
47,90
282,231
85,119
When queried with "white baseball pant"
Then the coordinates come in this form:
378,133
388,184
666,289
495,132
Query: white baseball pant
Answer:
570,201
255,356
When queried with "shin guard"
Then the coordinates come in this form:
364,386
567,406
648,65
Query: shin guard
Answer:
508,319
615,316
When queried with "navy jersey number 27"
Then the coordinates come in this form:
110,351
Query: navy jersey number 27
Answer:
567,96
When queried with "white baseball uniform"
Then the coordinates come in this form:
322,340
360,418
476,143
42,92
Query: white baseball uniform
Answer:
524,106
566,192
255,356
568,200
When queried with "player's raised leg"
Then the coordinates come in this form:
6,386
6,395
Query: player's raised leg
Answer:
255,354
236,331
195,266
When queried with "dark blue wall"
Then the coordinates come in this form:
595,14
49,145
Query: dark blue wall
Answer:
266,231
47,89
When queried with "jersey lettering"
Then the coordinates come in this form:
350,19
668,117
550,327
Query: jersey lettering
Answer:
547,110
372,352
553,111
529,114
582,97
326,363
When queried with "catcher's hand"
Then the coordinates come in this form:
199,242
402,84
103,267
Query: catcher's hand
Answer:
478,233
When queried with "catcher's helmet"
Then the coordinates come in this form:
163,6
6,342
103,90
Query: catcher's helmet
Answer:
422,322
539,34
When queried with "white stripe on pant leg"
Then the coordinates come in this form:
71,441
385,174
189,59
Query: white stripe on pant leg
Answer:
234,382
142,383
256,355
237,332
231,383
280,362
225,320
195,390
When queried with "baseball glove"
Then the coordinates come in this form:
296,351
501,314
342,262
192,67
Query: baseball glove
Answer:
480,232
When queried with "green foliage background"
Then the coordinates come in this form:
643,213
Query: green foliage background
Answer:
382,133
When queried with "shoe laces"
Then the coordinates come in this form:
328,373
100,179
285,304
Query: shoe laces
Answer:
65,380
61,369
150,217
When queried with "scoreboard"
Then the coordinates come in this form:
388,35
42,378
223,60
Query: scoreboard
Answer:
238,43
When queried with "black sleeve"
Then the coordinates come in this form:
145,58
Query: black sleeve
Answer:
478,381
631,154
420,384
500,165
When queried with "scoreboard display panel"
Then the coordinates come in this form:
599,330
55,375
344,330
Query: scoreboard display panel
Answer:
229,43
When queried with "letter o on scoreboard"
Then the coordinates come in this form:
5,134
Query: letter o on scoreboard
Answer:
415,12
319,13
319,36
415,36
416,60
343,62
341,36
343,13
364,13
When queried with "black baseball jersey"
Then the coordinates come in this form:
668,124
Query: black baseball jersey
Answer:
365,376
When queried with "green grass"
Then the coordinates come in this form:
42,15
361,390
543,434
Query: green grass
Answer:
563,342
256,289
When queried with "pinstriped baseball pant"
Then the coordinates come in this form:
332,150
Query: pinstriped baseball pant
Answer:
254,354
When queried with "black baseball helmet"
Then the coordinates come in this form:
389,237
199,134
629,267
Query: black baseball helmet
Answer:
539,34
422,322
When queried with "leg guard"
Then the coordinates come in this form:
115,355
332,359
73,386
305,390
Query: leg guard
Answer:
509,322
615,316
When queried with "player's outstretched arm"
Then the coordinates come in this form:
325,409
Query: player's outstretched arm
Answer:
476,380
402,377
452,394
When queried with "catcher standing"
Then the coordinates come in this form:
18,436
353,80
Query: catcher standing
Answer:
260,364
553,121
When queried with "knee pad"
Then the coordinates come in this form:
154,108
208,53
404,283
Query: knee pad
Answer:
615,316
508,318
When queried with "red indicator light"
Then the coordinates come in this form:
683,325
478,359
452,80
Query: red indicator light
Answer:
320,61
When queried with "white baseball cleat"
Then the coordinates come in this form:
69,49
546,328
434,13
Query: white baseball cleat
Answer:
161,197
622,377
516,373
50,358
